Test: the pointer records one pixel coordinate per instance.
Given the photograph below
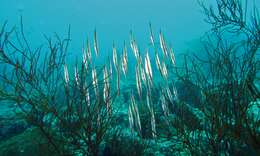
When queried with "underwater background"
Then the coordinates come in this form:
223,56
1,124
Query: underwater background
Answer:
139,77
113,19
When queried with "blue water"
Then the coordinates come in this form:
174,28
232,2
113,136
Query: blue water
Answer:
180,20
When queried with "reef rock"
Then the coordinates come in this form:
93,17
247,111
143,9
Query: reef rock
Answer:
10,124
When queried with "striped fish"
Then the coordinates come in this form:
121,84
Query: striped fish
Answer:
76,75
172,57
96,43
138,81
124,61
153,124
66,74
95,81
89,55
164,71
163,45
131,118
87,97
115,57
148,68
134,46
158,63
85,59
106,89
151,35
135,108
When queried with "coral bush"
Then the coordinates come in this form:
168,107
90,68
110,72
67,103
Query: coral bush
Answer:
227,78
67,112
